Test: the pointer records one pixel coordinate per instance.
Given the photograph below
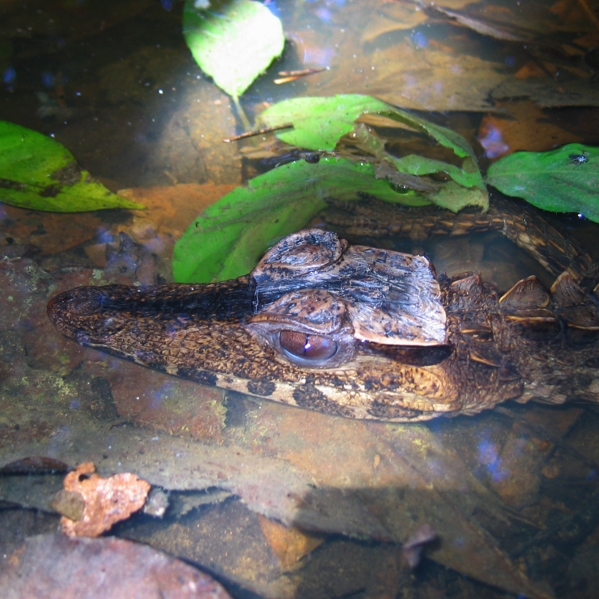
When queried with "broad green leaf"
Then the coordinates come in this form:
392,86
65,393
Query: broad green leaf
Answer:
39,173
319,122
553,180
233,41
229,237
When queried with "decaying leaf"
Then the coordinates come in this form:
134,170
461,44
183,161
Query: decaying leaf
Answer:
107,500
524,127
289,544
482,26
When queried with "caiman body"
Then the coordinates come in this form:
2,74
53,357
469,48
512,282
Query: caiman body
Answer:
359,332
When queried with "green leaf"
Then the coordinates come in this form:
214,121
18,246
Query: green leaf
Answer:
319,123
39,173
419,165
233,41
229,237
454,197
469,191
551,180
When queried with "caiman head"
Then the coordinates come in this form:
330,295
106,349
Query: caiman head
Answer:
348,330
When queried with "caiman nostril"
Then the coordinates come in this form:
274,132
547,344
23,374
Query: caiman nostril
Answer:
87,303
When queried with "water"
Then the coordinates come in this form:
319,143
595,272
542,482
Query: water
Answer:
510,493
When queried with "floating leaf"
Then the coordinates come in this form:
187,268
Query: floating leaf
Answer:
454,197
419,165
229,237
39,173
319,123
555,180
465,189
233,42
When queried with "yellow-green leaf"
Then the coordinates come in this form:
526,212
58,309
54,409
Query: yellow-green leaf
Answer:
39,173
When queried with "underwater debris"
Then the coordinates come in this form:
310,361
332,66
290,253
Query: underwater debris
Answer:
107,500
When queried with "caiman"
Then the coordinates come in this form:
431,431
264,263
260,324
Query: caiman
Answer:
363,332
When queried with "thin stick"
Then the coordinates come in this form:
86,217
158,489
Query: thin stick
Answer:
259,132
287,76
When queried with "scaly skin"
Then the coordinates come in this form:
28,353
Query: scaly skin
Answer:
528,345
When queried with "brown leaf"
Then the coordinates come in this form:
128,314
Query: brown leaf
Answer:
392,17
163,403
526,128
107,500
289,544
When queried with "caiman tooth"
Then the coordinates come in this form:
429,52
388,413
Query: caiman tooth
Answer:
575,309
526,294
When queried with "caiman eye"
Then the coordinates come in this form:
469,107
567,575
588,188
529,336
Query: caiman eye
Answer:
307,348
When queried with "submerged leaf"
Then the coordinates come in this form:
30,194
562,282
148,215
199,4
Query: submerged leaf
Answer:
229,237
482,26
391,17
233,42
37,172
563,180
